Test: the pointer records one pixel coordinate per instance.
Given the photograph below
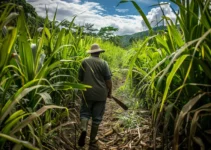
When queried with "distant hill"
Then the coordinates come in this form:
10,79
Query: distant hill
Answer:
125,40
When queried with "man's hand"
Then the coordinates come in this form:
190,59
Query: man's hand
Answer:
109,95
109,86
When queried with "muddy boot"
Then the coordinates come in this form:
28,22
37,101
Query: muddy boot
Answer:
93,141
81,141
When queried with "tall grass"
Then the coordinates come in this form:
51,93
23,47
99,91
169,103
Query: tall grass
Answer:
35,98
178,80
27,109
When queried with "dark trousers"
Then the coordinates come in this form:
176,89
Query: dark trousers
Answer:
94,109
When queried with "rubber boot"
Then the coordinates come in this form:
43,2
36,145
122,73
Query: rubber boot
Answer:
93,135
81,141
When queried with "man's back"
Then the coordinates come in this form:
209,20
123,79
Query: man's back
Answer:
95,71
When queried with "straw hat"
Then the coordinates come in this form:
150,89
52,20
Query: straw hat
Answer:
95,48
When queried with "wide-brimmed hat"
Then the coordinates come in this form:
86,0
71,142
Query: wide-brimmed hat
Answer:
95,48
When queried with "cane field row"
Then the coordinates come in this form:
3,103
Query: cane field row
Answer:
167,72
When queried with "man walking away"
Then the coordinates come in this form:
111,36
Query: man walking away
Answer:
94,71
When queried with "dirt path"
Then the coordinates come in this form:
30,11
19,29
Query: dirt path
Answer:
121,130
113,135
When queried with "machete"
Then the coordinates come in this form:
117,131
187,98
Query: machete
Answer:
120,103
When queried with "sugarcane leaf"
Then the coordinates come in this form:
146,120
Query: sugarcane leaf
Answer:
59,39
199,141
194,122
9,125
176,35
185,109
60,126
176,66
45,68
206,68
46,97
17,147
25,51
35,115
135,57
11,103
208,131
6,48
163,43
174,56
47,32
21,142
38,139
168,111
15,115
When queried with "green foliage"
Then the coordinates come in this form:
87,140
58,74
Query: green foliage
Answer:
90,30
130,120
34,94
27,8
126,41
114,55
28,89
170,69
107,32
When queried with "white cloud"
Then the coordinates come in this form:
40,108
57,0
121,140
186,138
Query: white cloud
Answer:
94,13
155,14
122,10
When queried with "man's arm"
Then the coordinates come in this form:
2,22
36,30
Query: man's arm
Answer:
109,86
107,78
81,73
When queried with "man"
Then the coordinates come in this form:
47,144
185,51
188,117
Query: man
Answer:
94,71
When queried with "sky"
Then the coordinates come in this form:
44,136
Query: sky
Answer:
104,13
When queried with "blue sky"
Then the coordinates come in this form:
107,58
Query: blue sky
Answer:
126,8
103,13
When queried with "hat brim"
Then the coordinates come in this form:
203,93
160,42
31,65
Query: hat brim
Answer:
95,51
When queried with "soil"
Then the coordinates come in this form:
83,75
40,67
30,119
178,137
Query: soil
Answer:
115,134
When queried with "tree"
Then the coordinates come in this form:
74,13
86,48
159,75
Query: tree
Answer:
29,10
107,32
89,30
32,19
132,39
67,24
